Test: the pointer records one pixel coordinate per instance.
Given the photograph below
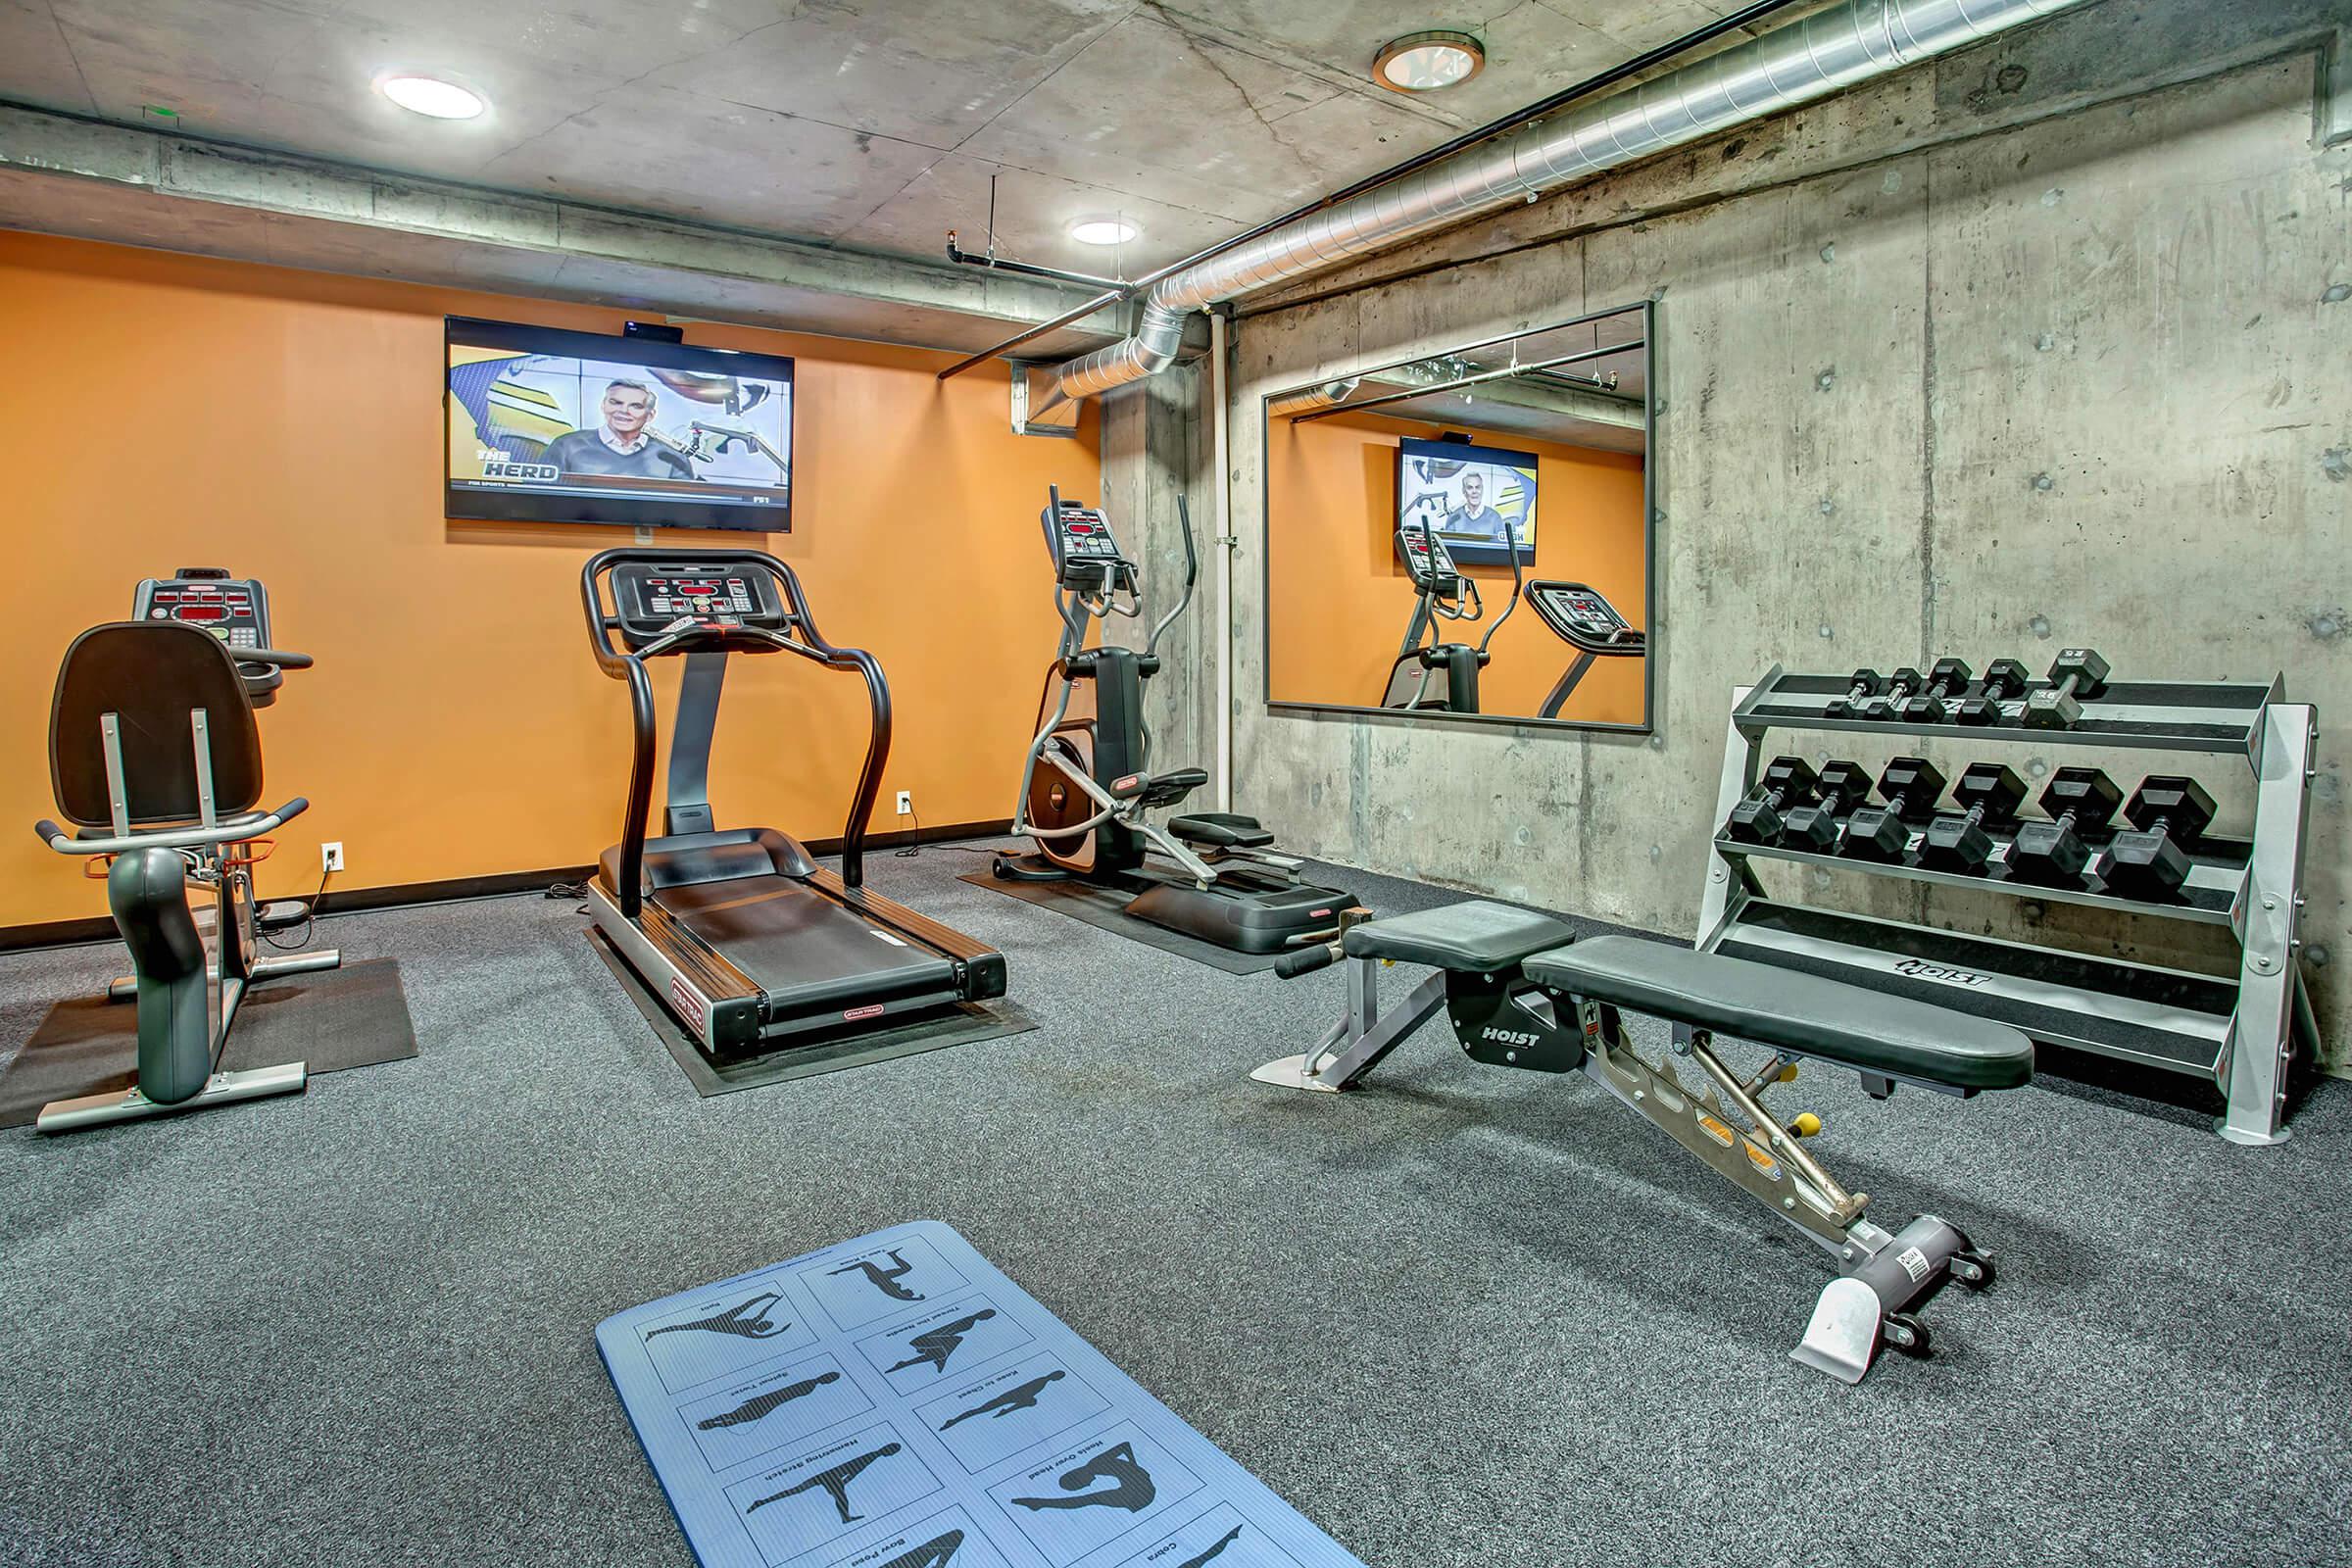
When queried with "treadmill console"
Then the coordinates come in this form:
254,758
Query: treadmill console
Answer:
235,610
1582,616
653,597
1090,558
1427,560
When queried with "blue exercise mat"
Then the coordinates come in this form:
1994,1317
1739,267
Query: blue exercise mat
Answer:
895,1401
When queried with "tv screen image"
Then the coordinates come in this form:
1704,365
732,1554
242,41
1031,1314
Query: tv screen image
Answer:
554,426
1478,500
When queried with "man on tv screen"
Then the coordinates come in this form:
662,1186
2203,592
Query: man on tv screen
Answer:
1473,515
623,447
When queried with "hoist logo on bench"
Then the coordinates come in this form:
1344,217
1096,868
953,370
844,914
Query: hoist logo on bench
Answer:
1509,1037
1919,970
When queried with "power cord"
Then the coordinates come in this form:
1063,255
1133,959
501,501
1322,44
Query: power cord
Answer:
915,849
310,921
566,890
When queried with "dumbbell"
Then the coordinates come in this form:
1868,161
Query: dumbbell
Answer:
2170,812
2004,678
1814,826
1992,794
1910,786
1788,783
1867,683
2078,675
1899,685
2053,853
1946,680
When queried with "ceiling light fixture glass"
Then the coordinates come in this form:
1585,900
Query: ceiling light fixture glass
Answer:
1428,62
1102,231
433,97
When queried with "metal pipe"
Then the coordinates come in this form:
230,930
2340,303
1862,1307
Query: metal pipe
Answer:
1789,67
1438,388
964,258
1470,138
1221,476
1075,314
1321,396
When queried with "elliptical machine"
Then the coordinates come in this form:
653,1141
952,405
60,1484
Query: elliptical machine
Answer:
154,754
1085,782
1442,676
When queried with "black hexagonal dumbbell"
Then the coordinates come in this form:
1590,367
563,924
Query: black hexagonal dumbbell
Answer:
1787,784
2169,814
1890,703
2004,678
1843,786
1992,794
1947,678
2078,675
2052,853
1910,786
1867,683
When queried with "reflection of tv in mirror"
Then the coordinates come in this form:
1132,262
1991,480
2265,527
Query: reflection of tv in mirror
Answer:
554,426
1478,498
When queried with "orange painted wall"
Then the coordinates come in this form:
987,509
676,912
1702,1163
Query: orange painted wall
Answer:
1340,601
168,411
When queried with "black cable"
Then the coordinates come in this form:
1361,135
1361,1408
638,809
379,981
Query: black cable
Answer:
915,849
310,920
566,890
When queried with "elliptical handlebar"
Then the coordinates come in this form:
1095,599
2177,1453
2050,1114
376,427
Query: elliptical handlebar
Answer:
1191,575
1518,588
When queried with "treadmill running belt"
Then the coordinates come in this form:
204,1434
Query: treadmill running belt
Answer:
793,942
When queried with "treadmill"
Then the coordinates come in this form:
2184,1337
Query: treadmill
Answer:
753,945
1588,623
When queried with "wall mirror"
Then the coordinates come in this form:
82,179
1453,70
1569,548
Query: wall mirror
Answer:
1466,535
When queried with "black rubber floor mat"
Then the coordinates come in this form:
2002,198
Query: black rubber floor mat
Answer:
1105,910
965,1024
330,1020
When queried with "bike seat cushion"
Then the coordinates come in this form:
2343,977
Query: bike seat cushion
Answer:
1806,1015
1476,936
1220,831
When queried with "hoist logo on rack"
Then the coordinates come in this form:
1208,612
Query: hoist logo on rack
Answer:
1919,970
687,1002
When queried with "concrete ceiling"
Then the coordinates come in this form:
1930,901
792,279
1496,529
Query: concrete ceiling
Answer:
864,124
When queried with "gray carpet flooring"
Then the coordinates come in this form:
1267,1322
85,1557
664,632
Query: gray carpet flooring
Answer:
1463,1317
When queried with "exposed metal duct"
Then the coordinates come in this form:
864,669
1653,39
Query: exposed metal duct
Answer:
1321,396
1806,61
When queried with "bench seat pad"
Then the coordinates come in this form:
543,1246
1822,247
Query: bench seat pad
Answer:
1477,936
1894,1036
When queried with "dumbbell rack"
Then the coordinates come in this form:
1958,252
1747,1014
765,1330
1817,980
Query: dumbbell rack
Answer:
2238,1033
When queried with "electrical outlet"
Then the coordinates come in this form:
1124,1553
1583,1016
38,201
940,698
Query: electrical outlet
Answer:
330,857
905,803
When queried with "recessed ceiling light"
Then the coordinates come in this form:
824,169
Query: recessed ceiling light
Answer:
430,95
1425,62
1102,231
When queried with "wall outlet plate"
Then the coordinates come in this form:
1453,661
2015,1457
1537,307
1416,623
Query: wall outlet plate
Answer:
905,803
330,857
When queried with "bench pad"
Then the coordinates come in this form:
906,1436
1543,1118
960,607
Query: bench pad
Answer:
1478,936
1798,1013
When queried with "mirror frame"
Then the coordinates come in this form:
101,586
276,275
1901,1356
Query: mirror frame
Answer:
1648,310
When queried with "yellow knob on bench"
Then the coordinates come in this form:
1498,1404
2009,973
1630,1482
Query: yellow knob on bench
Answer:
1788,1075
1806,1123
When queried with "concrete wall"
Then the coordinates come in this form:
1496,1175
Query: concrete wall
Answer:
2043,344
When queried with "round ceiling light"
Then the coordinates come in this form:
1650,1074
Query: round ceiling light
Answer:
433,97
1102,231
1428,62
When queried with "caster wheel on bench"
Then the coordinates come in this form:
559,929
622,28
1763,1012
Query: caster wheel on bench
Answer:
1973,1269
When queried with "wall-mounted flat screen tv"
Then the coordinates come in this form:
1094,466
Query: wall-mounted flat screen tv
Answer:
1478,500
553,426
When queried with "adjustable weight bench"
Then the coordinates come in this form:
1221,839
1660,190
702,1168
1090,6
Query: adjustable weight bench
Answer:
1522,992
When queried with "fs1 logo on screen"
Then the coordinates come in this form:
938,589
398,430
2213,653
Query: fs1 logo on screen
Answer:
497,465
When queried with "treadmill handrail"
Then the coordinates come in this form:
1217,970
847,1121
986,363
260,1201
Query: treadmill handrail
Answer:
631,668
